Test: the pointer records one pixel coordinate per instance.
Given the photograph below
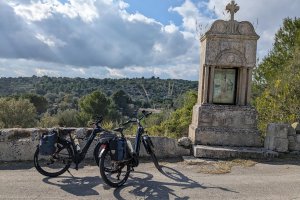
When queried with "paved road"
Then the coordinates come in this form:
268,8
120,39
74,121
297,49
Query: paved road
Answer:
276,180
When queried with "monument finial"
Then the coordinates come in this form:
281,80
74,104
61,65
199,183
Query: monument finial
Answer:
232,8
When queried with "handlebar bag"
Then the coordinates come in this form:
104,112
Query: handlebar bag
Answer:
47,143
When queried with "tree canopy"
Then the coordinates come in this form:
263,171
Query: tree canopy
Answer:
278,84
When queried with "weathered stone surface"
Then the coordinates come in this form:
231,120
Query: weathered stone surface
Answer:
19,145
291,131
201,151
281,145
224,125
278,130
298,138
277,138
185,142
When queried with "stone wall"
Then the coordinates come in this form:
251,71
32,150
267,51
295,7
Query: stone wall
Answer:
283,137
20,144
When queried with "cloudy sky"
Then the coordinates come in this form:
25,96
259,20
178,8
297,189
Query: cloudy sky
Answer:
121,38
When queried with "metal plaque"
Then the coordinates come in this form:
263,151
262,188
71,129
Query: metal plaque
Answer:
224,87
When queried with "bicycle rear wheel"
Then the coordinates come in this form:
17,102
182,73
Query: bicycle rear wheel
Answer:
55,164
113,173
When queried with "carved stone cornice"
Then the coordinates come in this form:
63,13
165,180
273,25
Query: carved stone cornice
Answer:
221,28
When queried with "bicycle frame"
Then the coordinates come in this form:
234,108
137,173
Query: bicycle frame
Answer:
78,157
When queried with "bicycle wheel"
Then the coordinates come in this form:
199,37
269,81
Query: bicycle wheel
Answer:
113,173
153,156
150,149
55,164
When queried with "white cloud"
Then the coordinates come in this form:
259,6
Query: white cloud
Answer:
171,28
266,16
99,38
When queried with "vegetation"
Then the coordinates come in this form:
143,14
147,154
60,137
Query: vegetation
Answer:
277,80
177,124
78,101
16,113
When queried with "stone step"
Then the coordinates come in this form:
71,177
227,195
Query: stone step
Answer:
224,152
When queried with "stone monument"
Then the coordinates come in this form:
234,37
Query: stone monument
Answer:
223,115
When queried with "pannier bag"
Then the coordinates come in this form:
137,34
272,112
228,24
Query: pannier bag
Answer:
47,144
118,149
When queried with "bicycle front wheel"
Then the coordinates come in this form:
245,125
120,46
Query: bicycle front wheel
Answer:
150,149
55,164
113,173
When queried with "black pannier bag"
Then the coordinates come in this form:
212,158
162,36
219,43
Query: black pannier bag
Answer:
47,143
118,149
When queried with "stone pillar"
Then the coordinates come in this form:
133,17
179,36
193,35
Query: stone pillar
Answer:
223,115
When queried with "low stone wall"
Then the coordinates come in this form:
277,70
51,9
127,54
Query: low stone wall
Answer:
20,144
283,137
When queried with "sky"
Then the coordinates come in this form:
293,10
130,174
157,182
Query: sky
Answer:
122,38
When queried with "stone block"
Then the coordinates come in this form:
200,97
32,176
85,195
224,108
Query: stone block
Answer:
278,130
298,138
202,151
185,142
292,138
291,131
281,145
269,143
224,125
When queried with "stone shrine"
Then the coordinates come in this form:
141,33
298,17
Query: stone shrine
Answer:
223,115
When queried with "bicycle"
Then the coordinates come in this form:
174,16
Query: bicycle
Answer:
118,159
66,152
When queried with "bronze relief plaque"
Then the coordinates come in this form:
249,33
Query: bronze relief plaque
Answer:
224,87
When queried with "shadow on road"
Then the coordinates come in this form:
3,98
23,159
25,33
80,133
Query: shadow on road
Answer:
76,185
16,165
146,188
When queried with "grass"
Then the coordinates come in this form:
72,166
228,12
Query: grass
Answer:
223,167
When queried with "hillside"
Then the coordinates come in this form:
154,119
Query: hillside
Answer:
152,91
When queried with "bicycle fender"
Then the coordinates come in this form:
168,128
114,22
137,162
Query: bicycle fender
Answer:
96,151
147,143
102,150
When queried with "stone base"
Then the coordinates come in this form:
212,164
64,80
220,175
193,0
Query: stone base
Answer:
217,152
224,125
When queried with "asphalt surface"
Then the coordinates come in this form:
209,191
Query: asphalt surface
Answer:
265,180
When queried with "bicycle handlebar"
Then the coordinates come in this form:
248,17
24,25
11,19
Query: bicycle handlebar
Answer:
145,114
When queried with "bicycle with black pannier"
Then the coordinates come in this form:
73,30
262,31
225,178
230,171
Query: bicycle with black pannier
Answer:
55,154
118,158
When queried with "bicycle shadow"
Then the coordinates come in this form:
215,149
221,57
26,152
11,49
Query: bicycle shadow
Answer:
79,186
146,188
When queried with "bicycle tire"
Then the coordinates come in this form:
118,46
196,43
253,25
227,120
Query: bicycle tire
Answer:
109,168
63,153
150,149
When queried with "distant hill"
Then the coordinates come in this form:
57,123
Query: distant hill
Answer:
153,90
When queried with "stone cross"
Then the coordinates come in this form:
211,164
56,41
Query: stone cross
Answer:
232,8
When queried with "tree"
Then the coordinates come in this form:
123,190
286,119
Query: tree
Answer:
93,105
17,113
68,118
283,51
40,102
177,124
280,100
122,101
